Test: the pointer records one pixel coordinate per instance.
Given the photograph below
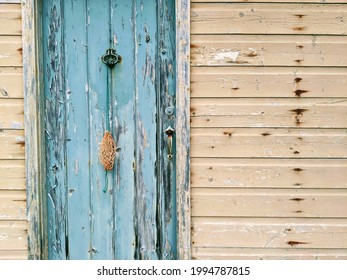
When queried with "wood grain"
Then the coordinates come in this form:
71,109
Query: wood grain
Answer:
13,255
13,235
183,128
212,202
11,114
10,51
269,143
11,82
270,233
12,144
10,19
268,254
12,174
243,18
12,205
277,82
275,50
266,112
268,173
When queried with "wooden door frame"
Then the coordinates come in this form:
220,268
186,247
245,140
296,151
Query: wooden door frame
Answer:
34,128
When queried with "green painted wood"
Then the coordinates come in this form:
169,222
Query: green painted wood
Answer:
55,129
98,30
78,138
122,35
135,218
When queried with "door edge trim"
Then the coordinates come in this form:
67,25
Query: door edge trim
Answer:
183,129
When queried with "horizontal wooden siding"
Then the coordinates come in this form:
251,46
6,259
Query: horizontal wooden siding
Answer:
13,224
269,129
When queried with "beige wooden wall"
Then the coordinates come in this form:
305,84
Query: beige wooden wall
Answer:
268,129
13,240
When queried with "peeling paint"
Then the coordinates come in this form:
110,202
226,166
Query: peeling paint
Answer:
230,55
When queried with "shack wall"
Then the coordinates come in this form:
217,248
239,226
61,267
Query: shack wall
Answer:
268,129
13,223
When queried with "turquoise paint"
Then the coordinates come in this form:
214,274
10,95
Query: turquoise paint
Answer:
78,137
55,130
136,216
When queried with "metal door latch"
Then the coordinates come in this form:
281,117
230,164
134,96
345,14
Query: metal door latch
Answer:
169,132
111,58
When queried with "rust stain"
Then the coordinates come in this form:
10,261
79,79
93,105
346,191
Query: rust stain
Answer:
299,28
21,143
266,134
235,88
299,47
228,133
298,80
297,199
298,169
193,46
298,92
298,111
299,15
295,243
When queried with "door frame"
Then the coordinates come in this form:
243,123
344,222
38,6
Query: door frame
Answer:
34,128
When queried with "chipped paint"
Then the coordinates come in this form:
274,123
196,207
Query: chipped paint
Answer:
227,55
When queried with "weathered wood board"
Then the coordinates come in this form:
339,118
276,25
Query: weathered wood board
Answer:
264,82
11,114
269,18
267,112
212,202
10,51
10,19
12,205
268,173
11,82
13,255
268,254
12,174
274,50
269,143
12,144
271,1
13,235
312,233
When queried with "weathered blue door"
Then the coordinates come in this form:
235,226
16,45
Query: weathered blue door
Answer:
128,212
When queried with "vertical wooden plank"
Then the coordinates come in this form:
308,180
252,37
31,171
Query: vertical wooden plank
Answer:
33,147
166,193
102,243
145,130
122,35
182,127
78,142
55,128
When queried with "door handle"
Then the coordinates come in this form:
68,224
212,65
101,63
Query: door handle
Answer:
169,132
